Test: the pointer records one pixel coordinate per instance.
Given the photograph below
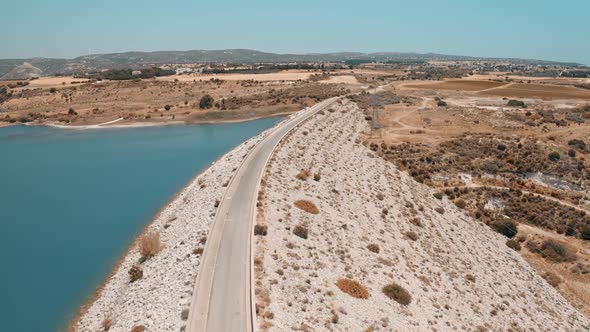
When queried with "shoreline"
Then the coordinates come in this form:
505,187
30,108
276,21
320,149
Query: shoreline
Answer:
132,125
74,322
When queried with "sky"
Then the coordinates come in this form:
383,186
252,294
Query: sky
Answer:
534,29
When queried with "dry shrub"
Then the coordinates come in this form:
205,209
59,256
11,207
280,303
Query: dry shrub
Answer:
513,245
552,278
317,176
135,273
460,203
557,251
397,293
301,231
416,221
438,195
106,323
303,175
581,268
138,328
260,230
411,235
440,210
149,245
470,277
307,206
353,288
373,248
184,314
198,251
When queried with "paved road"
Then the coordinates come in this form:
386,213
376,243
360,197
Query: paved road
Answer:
222,298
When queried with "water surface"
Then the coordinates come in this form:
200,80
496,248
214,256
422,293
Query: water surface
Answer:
72,201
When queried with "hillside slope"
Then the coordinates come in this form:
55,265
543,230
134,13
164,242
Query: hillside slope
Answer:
377,227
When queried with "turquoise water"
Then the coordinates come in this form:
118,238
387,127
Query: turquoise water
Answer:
72,201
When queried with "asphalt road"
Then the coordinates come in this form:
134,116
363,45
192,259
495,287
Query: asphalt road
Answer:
222,297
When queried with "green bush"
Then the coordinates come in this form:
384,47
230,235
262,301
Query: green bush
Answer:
554,156
206,102
516,103
507,228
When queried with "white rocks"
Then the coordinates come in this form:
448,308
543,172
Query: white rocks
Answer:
460,273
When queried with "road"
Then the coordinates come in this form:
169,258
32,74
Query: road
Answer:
223,296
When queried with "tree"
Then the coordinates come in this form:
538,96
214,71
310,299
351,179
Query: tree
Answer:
206,102
167,107
71,111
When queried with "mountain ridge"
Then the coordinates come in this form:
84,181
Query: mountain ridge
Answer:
13,68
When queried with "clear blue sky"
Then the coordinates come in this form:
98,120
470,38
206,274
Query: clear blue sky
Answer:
543,29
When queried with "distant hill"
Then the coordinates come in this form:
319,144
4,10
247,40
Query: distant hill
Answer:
25,68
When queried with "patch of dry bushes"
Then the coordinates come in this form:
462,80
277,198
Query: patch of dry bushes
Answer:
307,206
353,288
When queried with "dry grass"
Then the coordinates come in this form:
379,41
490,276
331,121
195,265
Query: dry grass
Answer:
553,250
303,175
353,288
106,324
307,206
138,328
397,293
373,248
149,245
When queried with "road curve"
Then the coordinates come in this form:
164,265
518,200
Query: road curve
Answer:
222,296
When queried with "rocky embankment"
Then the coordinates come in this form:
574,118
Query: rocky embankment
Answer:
160,298
347,242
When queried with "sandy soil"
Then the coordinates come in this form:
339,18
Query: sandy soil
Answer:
345,79
459,273
158,299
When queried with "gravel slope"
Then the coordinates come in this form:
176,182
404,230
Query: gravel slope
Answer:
158,299
459,273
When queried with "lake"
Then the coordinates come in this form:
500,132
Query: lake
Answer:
71,201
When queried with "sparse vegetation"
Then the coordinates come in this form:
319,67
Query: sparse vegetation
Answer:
106,323
516,103
301,231
373,248
260,230
552,250
135,273
138,328
397,293
303,175
149,245
512,244
353,288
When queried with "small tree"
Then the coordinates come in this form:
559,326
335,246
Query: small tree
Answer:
71,111
206,102
167,107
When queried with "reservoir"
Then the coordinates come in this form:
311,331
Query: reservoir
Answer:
71,201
